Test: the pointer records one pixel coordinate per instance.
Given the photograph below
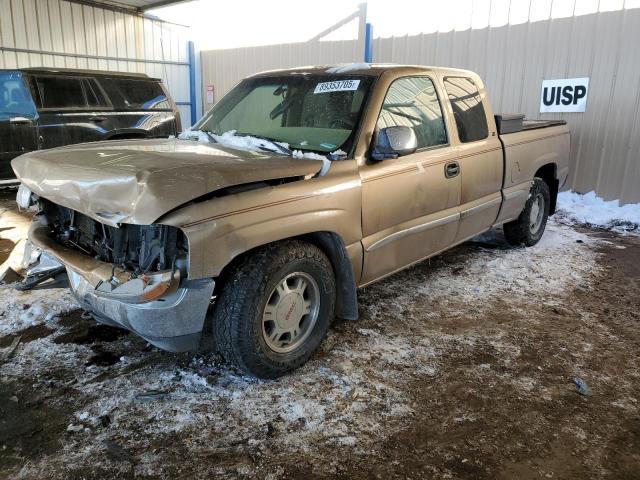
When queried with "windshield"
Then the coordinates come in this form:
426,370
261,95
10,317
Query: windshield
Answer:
309,112
15,99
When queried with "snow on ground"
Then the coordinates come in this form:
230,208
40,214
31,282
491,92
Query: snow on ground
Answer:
589,209
20,310
353,392
563,258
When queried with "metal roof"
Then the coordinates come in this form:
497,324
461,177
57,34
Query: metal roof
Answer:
134,6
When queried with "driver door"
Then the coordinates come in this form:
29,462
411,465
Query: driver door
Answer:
410,205
18,121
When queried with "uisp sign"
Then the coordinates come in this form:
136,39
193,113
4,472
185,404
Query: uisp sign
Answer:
564,95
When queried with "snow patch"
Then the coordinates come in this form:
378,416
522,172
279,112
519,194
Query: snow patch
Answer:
561,260
254,144
231,139
326,163
348,67
589,209
21,310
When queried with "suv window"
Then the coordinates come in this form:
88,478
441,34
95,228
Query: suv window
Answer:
61,92
413,102
15,98
136,94
95,97
468,110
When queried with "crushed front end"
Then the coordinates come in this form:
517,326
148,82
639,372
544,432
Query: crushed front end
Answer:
129,276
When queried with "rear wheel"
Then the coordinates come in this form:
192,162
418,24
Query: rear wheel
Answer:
275,308
528,228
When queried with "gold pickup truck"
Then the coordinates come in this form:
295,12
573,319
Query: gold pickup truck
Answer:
296,189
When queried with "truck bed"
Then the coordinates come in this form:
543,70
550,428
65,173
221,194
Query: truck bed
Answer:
535,124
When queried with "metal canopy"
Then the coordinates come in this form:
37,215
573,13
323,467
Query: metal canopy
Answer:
134,6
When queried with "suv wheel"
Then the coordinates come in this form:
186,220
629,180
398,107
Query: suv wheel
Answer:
528,228
275,308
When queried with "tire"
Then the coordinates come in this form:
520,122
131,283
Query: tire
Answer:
255,305
526,230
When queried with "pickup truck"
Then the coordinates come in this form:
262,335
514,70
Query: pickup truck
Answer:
296,189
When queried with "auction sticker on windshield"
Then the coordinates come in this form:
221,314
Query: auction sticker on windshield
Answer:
337,86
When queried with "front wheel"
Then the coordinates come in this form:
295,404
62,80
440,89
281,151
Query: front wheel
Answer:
275,308
528,228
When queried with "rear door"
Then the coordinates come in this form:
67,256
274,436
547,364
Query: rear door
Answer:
18,121
141,106
73,109
410,204
479,155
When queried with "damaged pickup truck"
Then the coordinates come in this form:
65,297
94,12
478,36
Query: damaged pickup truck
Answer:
297,188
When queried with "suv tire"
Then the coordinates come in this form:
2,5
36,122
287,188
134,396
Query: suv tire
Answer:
275,308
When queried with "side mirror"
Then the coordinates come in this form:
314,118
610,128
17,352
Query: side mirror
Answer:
394,142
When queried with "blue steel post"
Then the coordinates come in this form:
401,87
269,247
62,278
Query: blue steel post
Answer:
368,43
192,82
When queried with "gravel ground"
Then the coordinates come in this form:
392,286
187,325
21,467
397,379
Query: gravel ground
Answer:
460,367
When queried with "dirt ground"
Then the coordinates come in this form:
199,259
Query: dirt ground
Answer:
460,367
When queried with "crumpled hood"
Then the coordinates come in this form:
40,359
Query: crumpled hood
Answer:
137,181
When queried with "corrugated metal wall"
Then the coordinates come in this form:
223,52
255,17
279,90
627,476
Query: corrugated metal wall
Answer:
57,33
513,60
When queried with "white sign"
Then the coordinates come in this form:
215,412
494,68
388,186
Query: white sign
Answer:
337,86
209,93
564,95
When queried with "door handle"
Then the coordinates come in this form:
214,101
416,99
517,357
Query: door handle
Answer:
97,119
20,121
452,169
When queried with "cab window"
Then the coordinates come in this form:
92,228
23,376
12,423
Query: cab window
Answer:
413,102
468,110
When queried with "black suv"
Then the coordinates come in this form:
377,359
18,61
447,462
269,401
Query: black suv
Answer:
45,108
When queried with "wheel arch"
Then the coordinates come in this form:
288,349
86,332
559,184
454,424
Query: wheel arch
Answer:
332,245
549,173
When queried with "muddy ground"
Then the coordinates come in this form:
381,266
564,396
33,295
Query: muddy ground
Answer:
460,367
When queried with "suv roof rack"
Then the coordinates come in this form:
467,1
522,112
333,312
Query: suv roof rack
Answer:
78,71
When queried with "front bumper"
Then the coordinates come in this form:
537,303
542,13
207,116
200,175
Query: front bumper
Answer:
173,321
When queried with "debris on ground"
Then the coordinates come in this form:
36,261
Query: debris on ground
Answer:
152,395
11,351
581,387
10,276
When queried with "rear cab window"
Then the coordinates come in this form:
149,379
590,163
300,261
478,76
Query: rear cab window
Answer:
468,110
136,94
15,97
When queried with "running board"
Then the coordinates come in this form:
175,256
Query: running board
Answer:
9,183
